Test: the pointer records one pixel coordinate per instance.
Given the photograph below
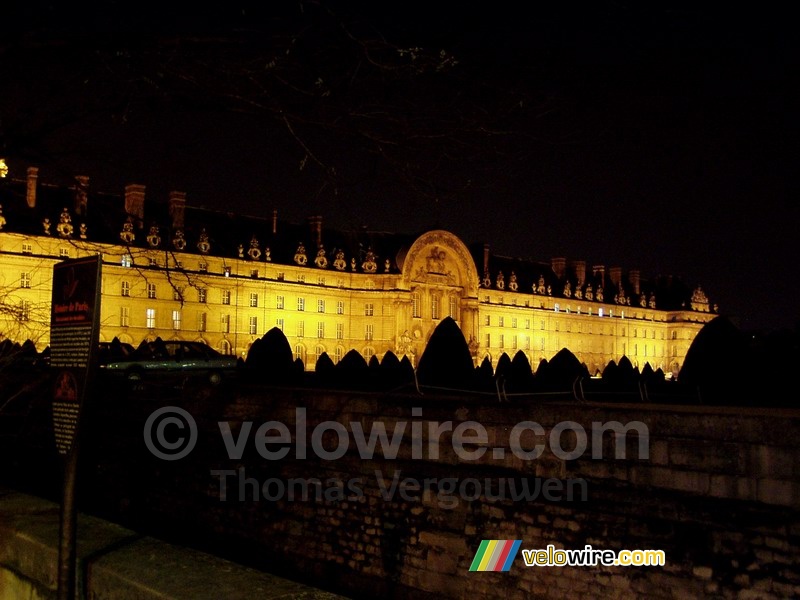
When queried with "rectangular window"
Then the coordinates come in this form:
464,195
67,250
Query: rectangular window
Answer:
527,323
225,323
253,300
152,262
320,306
488,340
27,248
368,331
301,328
501,343
453,309
226,271
126,261
279,324
25,280
369,309
202,319
340,331
25,310
279,302
488,319
177,294
63,252
151,291
253,325
301,278
340,307
321,281
514,322
254,273
320,329
434,307
527,342
301,304
201,295
226,297
501,322
415,305
176,319
150,318
337,354
124,316
202,267
281,276
514,342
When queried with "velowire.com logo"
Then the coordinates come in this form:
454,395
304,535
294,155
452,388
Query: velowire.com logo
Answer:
495,555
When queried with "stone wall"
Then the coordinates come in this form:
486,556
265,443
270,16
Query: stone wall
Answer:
115,563
717,489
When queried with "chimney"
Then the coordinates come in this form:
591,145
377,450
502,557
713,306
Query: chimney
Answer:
274,222
81,198
30,194
580,271
177,208
134,203
316,230
615,275
635,278
599,270
558,265
486,258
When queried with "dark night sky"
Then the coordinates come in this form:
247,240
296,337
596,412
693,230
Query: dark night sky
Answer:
661,138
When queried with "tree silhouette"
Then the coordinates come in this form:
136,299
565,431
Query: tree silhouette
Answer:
446,361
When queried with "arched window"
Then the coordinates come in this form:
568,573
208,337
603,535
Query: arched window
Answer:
300,352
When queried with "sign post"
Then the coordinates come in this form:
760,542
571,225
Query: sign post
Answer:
74,334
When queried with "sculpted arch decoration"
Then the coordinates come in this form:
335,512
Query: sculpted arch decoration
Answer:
440,257
436,269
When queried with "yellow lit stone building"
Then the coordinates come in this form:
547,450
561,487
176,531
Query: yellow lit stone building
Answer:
175,271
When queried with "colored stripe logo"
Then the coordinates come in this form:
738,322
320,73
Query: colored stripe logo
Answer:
495,555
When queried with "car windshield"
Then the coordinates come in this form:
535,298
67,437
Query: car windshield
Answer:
177,350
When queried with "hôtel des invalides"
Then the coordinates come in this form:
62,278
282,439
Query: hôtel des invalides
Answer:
174,271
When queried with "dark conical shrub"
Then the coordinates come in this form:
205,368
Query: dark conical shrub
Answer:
446,361
484,375
503,366
520,375
561,372
270,359
406,369
627,373
392,373
353,371
324,368
718,346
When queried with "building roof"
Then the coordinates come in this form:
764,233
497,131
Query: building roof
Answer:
102,217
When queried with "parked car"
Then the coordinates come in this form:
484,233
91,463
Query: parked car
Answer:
113,352
174,357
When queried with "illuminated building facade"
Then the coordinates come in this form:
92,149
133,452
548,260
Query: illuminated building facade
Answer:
179,272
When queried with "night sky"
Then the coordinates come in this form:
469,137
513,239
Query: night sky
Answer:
663,138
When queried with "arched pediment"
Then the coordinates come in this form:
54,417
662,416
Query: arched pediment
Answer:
439,257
